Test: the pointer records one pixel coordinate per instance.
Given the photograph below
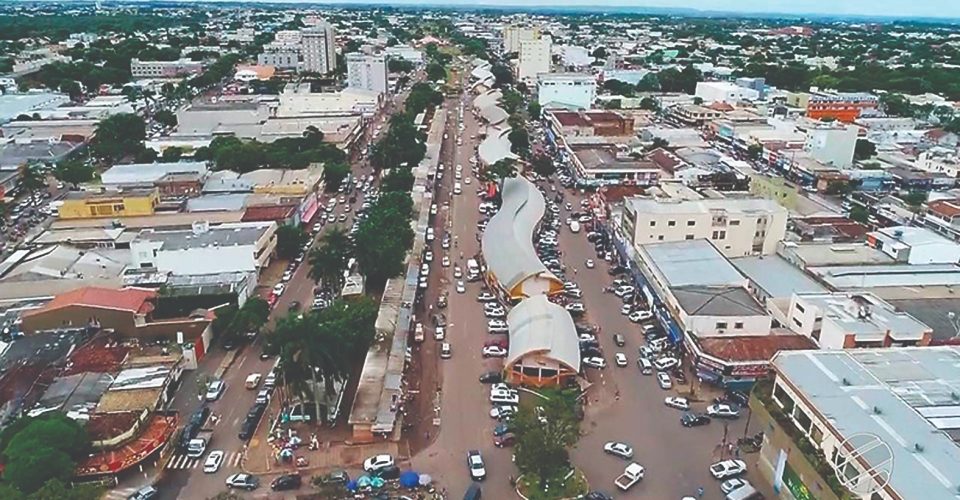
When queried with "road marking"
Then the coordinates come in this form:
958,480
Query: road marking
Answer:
237,458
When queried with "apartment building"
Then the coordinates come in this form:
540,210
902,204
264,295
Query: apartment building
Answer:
514,34
318,49
164,69
832,144
534,59
367,72
566,90
282,57
737,227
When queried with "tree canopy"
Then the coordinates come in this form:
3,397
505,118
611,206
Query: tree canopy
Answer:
290,239
384,236
329,257
119,135
38,450
74,171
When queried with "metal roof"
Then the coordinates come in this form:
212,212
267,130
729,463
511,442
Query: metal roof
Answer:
507,242
776,276
850,277
538,326
904,396
692,262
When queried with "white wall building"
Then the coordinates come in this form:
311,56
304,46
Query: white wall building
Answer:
205,250
319,54
914,245
513,35
280,56
568,90
737,227
404,52
940,161
847,321
724,92
367,72
535,58
832,144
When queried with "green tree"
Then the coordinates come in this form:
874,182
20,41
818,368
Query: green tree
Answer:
649,83
166,118
72,89
649,104
436,71
421,97
145,155
697,101
400,180
383,238
755,151
519,142
74,171
859,214
864,149
172,153
119,135
32,178
896,105
534,110
500,170
502,75
617,87
42,449
334,174
54,489
511,101
543,165
400,66
290,240
544,438
599,53
329,258
915,198
657,143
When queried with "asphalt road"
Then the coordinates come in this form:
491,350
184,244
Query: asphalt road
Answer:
184,477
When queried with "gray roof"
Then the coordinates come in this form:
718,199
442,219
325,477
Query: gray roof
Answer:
540,326
507,242
851,277
729,205
933,313
494,114
717,301
148,173
914,391
217,202
692,262
219,235
776,276
496,146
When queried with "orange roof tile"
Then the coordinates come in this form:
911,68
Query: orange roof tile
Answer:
134,300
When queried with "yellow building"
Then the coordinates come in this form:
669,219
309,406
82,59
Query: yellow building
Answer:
109,204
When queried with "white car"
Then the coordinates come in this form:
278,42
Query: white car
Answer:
494,351
438,334
445,262
594,362
378,462
587,337
215,390
457,272
504,397
460,287
213,462
589,263
496,323
428,256
626,309
622,450
475,464
667,363
495,313
677,402
623,290
467,181
638,316
733,484
278,289
664,380
575,307
486,297
728,468
501,411
621,359
723,411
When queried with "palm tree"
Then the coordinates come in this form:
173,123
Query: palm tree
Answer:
329,259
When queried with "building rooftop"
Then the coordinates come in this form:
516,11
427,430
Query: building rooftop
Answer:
776,277
910,236
597,157
226,235
912,394
133,300
806,255
538,326
933,312
109,194
866,315
854,277
218,202
752,348
746,206
259,213
692,263
584,118
717,301
149,173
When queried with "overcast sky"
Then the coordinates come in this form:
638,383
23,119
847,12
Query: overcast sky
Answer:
901,8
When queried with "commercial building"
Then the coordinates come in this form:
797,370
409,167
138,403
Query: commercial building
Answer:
109,204
164,69
566,90
535,58
507,244
943,216
598,165
726,92
205,249
147,175
886,421
693,114
832,144
319,49
842,106
914,245
405,52
589,123
737,227
515,34
544,345
854,320
367,72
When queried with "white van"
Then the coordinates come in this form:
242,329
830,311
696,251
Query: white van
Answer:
456,188
646,367
473,267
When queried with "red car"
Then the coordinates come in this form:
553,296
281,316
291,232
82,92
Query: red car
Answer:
507,439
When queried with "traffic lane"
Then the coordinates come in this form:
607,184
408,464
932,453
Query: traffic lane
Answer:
676,458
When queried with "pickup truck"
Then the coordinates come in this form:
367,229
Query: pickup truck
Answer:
631,475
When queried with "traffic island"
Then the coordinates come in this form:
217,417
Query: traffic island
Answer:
571,485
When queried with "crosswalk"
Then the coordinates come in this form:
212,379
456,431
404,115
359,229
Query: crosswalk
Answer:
183,462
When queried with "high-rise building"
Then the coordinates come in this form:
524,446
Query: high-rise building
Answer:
534,59
318,50
515,33
367,72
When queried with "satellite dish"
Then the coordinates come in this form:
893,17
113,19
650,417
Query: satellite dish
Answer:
863,463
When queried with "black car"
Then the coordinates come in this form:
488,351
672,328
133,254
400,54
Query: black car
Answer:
491,378
286,482
591,352
598,495
737,397
392,472
619,340
336,477
694,420
249,425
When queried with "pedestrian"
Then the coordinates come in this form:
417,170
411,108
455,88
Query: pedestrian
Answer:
700,492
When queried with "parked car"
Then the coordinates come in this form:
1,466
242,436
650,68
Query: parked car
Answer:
243,481
378,462
286,482
594,362
694,420
505,440
215,390
728,468
723,411
478,471
494,351
621,359
622,450
664,381
677,402
491,378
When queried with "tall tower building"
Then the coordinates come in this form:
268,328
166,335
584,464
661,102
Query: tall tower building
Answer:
319,49
515,33
368,72
535,59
